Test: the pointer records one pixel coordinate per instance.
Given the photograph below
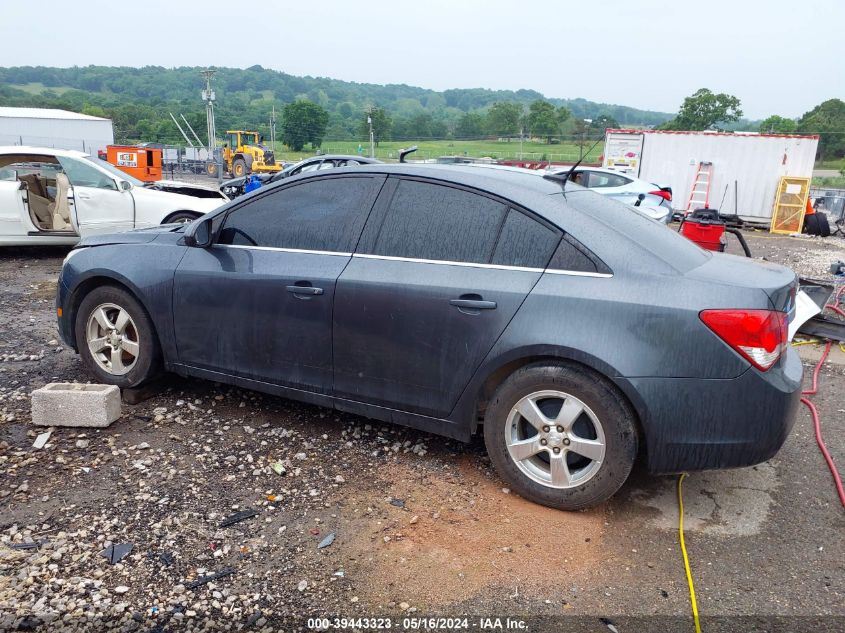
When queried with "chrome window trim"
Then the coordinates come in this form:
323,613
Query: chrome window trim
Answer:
276,249
413,260
574,273
578,273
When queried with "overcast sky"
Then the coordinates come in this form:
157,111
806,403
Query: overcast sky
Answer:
778,57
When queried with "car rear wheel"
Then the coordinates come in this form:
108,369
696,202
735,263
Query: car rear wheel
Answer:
560,436
115,337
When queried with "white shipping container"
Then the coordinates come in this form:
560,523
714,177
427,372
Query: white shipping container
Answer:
60,129
746,167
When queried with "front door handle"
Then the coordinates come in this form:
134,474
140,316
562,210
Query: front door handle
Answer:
303,291
84,196
472,303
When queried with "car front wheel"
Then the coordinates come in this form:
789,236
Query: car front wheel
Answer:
115,337
560,435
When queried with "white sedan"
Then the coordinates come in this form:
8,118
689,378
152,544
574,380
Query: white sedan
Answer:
52,196
656,201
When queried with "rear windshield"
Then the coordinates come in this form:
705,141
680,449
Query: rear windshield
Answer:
663,242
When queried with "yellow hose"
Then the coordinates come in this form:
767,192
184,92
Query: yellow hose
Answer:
684,552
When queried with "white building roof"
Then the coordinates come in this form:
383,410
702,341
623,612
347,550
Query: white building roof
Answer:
46,113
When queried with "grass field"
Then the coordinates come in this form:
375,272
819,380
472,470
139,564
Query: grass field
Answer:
501,150
830,164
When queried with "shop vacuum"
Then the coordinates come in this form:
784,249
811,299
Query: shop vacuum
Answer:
706,228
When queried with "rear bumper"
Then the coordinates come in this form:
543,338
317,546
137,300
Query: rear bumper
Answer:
699,424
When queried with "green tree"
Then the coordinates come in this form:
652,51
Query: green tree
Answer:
382,125
827,120
503,118
93,110
704,110
304,122
470,126
778,125
543,119
602,122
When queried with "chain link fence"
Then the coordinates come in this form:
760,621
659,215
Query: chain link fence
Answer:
830,201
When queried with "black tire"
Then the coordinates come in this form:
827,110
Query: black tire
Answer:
823,224
139,329
181,217
211,169
239,168
615,417
811,224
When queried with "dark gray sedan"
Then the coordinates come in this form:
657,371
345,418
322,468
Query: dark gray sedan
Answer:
575,333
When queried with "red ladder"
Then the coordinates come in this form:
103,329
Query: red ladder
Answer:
700,193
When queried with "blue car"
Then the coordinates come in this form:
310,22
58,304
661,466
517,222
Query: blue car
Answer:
574,334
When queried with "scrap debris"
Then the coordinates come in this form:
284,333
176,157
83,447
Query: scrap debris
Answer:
326,541
117,552
199,582
243,515
42,440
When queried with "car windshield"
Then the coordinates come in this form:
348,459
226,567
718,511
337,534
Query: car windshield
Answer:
115,171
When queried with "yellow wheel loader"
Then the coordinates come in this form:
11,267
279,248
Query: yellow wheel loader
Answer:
243,153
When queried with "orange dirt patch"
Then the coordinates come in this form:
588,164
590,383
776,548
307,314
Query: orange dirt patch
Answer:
468,536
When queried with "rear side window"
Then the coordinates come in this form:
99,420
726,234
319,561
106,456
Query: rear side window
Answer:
428,221
572,256
321,215
599,179
524,242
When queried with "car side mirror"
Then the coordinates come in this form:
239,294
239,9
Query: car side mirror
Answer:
125,185
199,234
640,199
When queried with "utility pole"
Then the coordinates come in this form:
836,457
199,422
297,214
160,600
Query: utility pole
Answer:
372,137
273,128
583,139
208,96
521,134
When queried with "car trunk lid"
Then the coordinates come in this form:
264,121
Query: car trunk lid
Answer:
778,282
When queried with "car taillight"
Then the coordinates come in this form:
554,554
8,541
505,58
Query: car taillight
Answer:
759,336
666,195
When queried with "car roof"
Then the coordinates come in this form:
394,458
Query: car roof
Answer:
41,151
517,186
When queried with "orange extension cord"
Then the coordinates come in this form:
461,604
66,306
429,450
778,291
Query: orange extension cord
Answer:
837,480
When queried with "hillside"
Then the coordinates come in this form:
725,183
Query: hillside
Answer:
139,99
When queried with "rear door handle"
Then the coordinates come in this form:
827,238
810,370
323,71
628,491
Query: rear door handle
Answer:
84,196
304,290
472,304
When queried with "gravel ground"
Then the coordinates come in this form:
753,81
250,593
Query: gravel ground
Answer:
416,524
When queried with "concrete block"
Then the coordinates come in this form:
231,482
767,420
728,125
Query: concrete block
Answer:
75,404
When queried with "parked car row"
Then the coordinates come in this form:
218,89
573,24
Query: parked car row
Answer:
574,333
51,196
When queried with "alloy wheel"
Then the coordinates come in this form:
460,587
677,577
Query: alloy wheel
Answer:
555,439
112,339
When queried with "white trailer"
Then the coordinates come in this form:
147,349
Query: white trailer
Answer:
746,167
59,129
